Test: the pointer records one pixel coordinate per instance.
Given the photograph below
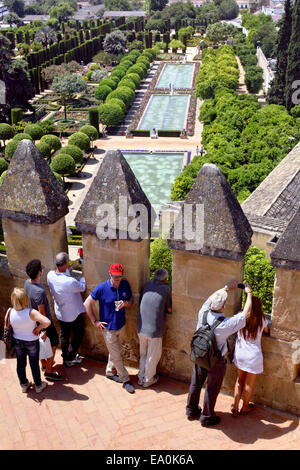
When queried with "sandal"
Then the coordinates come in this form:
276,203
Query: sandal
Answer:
234,411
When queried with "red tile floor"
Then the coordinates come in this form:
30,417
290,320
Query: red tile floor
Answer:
88,411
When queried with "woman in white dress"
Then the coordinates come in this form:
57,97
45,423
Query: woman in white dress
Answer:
248,357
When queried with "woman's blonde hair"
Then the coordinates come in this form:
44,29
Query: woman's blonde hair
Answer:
19,299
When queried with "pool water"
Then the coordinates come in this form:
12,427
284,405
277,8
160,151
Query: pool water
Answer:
156,173
165,112
179,75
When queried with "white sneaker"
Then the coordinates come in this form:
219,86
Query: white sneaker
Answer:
151,382
41,387
77,359
26,387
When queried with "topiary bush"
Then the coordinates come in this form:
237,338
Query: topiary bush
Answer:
44,149
3,165
75,152
139,70
52,141
111,83
90,131
80,139
6,132
2,176
135,78
102,92
21,136
35,131
123,93
11,148
63,164
116,101
94,117
110,114
127,82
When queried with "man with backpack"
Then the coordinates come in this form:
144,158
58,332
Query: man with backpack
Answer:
209,346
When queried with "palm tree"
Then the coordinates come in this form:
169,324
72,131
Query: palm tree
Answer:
45,35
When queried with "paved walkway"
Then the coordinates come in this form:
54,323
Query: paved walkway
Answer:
88,411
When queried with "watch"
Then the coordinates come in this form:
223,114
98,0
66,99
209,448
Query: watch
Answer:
226,287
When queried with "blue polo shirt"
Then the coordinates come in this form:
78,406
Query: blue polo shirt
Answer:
106,294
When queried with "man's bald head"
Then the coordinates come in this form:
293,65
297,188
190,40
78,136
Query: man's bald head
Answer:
61,259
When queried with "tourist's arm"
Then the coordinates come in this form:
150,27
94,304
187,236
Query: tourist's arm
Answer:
248,305
89,305
44,322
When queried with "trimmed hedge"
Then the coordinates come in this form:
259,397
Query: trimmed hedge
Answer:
35,131
75,152
90,131
80,139
110,114
21,136
102,92
123,93
117,102
140,133
63,164
3,165
167,133
10,148
52,141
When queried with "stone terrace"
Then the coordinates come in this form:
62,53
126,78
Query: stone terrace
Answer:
89,412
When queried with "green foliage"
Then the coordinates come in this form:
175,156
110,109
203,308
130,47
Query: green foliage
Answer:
134,77
21,136
260,275
123,93
75,152
136,69
102,92
79,139
11,148
45,149
127,82
52,141
160,257
35,131
108,82
90,131
115,43
117,102
254,79
63,164
110,114
2,177
3,165
6,132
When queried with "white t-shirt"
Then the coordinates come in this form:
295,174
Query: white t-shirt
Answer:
248,354
22,324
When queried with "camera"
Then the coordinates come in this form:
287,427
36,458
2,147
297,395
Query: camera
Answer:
241,285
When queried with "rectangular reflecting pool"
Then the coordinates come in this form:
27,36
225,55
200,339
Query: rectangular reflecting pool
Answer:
165,112
156,173
178,75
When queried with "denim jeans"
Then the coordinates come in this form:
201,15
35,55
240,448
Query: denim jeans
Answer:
76,328
214,378
32,350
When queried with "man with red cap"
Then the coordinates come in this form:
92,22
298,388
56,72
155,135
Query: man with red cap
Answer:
113,295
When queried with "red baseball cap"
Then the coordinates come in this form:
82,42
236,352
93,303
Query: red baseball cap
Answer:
116,269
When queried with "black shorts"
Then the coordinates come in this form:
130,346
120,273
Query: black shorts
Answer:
52,335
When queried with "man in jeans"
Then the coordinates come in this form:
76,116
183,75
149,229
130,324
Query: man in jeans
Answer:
69,308
214,307
38,300
113,296
155,303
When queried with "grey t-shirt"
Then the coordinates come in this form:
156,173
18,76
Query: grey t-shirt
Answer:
37,296
156,299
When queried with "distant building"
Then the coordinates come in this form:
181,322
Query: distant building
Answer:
31,18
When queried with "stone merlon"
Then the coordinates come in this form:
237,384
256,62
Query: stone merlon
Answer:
225,230
30,192
286,253
114,189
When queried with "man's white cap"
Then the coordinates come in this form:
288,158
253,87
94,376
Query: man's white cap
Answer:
218,299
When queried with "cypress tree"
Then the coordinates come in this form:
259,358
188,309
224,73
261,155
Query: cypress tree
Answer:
276,94
293,59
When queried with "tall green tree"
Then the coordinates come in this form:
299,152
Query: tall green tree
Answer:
276,92
15,6
293,59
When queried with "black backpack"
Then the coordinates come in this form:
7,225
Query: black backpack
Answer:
204,349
